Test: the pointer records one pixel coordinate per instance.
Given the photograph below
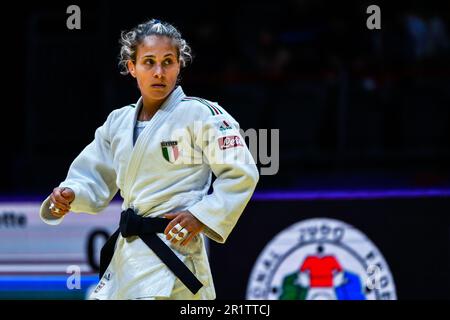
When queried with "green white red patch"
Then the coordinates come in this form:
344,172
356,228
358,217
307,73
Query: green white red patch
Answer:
170,150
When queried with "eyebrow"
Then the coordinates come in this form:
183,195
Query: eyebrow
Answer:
153,56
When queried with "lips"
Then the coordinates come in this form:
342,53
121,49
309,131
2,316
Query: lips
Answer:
158,85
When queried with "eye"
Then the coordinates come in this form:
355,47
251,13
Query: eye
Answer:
167,62
149,61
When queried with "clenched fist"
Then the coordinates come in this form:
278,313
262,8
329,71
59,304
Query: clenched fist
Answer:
60,201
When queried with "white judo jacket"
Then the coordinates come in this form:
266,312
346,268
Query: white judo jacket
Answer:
167,170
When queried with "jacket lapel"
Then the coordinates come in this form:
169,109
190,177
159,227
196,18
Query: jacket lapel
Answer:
138,150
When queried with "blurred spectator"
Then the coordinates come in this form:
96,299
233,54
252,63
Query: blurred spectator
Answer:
417,30
428,36
439,41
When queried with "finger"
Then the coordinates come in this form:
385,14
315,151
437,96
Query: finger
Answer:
59,214
189,238
58,204
189,224
170,237
59,192
181,235
171,215
57,208
61,207
58,196
175,232
169,232
67,194
171,224
174,240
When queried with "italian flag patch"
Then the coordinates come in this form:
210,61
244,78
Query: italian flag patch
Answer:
170,150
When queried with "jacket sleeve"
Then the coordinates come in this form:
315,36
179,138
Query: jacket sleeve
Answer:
91,176
226,153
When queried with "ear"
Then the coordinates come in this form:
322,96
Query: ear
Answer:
131,68
179,68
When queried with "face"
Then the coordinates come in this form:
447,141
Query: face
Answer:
156,68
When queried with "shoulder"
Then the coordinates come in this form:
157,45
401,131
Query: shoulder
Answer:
203,107
119,113
210,113
125,110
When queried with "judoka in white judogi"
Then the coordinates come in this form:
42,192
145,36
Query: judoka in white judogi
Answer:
168,169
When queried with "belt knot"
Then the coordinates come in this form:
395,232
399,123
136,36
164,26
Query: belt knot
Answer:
130,223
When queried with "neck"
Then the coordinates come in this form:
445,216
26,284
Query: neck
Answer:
149,108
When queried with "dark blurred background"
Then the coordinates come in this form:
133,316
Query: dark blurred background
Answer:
355,107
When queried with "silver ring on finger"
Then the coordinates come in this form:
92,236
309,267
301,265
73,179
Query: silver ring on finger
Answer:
54,208
181,234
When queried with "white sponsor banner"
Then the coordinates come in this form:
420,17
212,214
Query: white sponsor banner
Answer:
29,246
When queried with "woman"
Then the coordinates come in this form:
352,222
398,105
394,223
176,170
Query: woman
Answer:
160,153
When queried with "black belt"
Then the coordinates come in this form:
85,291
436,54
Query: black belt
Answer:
132,224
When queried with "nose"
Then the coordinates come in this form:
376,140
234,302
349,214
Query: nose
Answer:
158,71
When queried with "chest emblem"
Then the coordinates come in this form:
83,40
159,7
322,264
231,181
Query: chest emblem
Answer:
170,150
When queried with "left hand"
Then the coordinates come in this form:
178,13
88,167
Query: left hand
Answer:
187,221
